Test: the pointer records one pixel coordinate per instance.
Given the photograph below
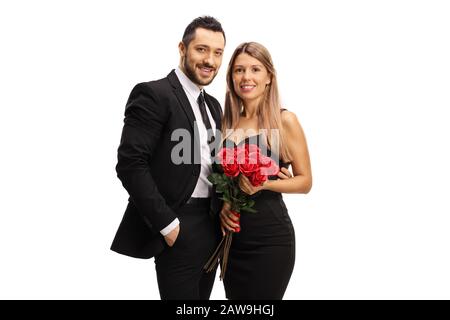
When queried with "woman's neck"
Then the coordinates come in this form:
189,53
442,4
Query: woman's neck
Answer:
250,108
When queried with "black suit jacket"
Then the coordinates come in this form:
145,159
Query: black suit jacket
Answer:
157,186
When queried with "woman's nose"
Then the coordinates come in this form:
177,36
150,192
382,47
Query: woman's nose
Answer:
246,75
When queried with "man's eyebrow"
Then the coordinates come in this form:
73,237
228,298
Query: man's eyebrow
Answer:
206,46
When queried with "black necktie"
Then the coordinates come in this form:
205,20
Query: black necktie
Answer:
205,118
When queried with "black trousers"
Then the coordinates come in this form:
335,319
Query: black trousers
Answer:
179,268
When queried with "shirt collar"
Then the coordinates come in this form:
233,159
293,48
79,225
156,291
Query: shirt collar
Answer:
187,84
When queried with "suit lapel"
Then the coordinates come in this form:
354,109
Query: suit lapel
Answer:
181,96
186,105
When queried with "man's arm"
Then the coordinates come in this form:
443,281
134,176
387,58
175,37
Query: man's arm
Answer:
144,121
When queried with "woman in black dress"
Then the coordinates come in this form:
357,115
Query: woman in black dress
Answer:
262,253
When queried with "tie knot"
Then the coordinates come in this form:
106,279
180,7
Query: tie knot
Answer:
200,99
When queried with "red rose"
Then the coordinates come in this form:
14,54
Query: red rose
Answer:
247,169
227,158
231,169
241,154
226,155
254,157
248,162
265,161
268,166
252,148
257,179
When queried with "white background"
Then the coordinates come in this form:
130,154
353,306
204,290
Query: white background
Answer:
369,81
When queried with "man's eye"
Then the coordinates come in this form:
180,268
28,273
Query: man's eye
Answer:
219,54
201,49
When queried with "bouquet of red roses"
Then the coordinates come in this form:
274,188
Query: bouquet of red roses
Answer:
244,160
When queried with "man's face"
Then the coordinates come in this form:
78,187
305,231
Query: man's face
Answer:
201,60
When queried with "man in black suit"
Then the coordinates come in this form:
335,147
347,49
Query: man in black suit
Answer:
172,206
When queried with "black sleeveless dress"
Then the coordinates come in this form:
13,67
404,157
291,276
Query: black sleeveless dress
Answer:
262,254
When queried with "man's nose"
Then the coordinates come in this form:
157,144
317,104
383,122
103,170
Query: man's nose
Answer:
209,59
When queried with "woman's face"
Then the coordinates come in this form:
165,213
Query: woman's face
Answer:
250,77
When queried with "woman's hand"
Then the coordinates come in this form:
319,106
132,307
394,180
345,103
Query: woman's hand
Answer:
247,186
249,189
229,220
284,173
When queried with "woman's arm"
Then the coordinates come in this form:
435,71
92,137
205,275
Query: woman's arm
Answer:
301,166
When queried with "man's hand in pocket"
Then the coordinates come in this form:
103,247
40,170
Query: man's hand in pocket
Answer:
172,236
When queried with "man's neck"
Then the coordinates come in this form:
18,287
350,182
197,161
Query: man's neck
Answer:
185,73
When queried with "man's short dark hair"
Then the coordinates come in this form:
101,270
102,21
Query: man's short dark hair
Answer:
205,22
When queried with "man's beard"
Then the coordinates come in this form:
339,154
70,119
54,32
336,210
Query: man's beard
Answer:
190,73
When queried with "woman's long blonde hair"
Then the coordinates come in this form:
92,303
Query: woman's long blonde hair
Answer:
269,109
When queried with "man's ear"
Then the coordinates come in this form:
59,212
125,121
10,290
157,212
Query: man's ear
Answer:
182,49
